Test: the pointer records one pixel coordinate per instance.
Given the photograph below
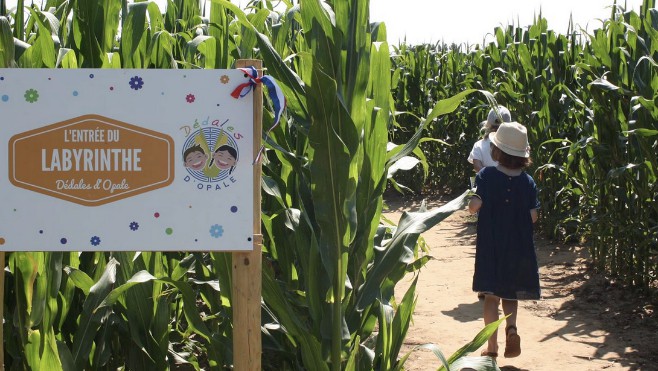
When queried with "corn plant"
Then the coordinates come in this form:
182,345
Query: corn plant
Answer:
623,93
587,99
324,183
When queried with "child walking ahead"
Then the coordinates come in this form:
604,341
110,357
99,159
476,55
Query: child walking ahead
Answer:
505,260
480,155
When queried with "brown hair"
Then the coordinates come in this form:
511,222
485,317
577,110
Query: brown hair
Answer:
488,129
194,148
509,161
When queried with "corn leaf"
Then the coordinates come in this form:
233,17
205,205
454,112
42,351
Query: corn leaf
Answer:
6,44
400,246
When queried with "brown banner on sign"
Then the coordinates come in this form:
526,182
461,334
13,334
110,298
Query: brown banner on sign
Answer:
91,160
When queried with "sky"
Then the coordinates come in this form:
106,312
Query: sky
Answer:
469,21
473,21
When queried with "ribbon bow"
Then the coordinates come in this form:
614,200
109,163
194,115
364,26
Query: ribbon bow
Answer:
273,91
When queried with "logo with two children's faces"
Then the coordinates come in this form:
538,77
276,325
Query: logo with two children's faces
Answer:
210,156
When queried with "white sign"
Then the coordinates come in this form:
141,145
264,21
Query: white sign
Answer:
102,159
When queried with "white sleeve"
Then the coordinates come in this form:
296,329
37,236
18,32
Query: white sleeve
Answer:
476,152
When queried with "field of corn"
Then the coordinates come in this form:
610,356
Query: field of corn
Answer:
590,102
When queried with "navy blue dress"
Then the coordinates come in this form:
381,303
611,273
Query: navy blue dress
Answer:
505,258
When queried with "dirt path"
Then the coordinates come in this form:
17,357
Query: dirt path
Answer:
581,323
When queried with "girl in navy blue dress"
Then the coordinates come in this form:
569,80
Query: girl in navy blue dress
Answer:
505,260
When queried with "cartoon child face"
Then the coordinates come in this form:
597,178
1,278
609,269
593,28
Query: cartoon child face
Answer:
196,160
224,160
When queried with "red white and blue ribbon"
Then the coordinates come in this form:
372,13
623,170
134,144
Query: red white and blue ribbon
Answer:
273,91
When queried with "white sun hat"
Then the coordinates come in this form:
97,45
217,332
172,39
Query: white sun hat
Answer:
512,138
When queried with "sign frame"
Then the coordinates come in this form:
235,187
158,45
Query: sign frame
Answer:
70,185
246,264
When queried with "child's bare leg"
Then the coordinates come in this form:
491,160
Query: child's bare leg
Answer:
491,303
512,339
510,307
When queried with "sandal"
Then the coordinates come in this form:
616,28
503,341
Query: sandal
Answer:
486,353
512,343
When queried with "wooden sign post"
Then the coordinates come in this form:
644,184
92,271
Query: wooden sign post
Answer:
247,273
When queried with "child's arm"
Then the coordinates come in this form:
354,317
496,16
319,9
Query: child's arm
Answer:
477,165
533,215
474,204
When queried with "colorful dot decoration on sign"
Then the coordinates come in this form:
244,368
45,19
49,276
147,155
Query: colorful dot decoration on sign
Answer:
91,75
2,241
134,226
190,98
2,78
5,98
31,95
75,93
224,79
95,241
40,231
136,83
156,214
63,241
234,209
216,231
169,231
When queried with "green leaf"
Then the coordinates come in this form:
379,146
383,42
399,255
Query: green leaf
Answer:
404,163
384,338
642,132
206,47
43,48
354,355
6,44
134,48
311,349
80,279
161,50
477,342
475,363
399,247
66,58
84,28
181,267
90,319
437,352
442,107
604,84
48,351
110,9
113,296
332,169
402,319
65,357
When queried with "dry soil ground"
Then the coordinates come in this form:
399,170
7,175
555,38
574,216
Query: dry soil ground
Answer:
583,321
